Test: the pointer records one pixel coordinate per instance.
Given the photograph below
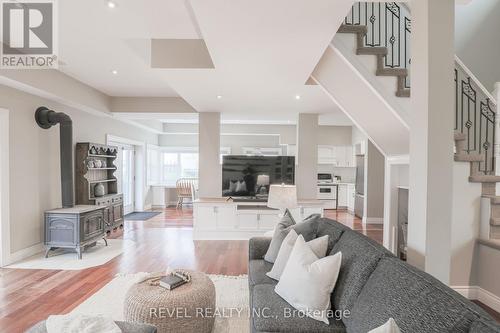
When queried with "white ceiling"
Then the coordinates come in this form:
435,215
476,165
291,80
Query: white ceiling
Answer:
263,52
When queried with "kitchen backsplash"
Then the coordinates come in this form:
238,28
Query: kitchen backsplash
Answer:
347,175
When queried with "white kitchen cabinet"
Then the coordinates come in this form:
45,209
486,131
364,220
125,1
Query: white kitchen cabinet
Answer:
327,155
342,196
351,195
339,156
350,160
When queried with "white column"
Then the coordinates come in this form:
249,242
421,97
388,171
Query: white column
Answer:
210,169
431,136
306,175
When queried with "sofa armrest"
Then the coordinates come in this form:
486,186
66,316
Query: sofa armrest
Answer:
257,247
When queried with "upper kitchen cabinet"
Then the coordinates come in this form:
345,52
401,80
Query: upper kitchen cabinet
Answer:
339,156
327,155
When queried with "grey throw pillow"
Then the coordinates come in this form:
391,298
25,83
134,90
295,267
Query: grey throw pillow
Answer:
308,229
282,229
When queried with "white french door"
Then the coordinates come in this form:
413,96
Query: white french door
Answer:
125,174
128,179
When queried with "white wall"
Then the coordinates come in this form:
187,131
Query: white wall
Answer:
34,159
476,39
235,142
465,224
375,166
327,134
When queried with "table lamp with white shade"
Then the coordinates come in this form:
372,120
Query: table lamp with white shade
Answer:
282,197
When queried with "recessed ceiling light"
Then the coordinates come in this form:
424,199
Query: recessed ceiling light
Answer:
219,96
114,72
111,4
297,96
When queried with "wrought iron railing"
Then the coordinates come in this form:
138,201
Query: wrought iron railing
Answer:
475,114
389,25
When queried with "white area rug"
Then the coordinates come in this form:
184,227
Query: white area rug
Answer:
231,292
66,260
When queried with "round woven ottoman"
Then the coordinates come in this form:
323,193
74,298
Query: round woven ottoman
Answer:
188,308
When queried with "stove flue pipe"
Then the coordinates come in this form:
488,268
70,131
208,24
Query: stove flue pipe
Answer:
46,118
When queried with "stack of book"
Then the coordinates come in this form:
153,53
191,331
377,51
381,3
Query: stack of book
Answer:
174,280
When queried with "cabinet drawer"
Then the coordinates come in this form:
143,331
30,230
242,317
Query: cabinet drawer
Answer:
117,199
103,202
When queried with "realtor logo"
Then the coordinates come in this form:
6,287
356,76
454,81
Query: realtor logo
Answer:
28,34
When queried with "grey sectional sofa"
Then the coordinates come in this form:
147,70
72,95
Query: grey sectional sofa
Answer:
373,286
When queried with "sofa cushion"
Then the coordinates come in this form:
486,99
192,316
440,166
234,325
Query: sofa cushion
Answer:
276,315
257,270
483,325
331,228
308,229
282,229
359,258
417,302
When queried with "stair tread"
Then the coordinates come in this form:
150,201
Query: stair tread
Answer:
484,179
464,157
392,72
459,136
368,50
348,28
403,93
495,221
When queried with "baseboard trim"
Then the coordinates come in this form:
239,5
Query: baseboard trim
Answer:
374,220
24,253
479,294
157,206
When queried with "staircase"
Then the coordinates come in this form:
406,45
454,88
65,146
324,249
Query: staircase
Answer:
381,53
383,30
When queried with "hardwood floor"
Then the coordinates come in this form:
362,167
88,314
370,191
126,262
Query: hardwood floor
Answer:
28,296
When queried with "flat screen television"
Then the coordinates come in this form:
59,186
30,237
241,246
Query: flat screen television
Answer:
251,176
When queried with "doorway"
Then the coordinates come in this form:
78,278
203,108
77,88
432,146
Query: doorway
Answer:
125,174
128,178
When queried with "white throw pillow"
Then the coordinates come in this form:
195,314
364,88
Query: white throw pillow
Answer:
307,281
318,245
389,327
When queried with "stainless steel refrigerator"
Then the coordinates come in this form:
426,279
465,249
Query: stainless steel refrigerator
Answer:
360,186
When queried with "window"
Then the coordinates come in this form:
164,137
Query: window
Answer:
153,167
167,164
